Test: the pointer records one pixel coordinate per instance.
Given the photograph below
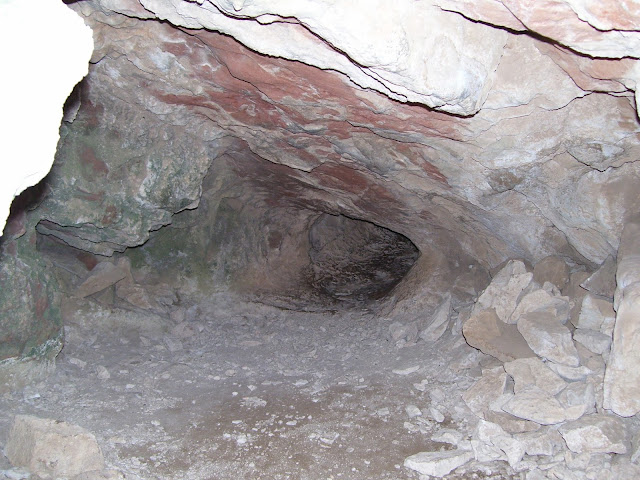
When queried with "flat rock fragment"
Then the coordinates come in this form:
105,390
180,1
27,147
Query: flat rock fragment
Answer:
438,464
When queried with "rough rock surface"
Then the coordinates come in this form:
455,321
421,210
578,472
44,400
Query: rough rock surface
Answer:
487,333
437,464
622,378
549,338
52,449
596,433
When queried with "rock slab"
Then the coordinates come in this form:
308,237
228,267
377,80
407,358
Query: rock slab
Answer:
50,448
596,434
437,464
486,332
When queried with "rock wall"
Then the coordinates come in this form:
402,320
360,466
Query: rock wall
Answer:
540,158
481,131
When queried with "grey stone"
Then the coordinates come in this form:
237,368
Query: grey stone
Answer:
538,406
486,332
551,269
571,374
492,434
51,448
438,464
509,423
622,376
579,394
596,342
504,290
103,275
603,281
541,299
546,441
480,394
548,338
594,312
596,433
439,321
532,371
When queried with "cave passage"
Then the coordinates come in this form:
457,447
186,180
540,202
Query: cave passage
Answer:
357,260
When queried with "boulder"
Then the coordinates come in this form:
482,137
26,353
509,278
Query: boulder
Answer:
532,371
548,338
595,313
596,433
103,275
602,282
478,397
504,290
536,405
551,269
51,448
595,342
486,332
580,394
438,464
622,376
541,299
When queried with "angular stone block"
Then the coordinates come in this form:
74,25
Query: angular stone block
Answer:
438,464
486,332
551,269
549,338
50,448
596,434
532,371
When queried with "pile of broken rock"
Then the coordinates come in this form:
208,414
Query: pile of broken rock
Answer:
561,400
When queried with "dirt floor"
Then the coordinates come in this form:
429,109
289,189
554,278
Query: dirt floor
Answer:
247,390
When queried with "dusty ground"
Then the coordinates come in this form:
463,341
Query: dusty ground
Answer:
247,390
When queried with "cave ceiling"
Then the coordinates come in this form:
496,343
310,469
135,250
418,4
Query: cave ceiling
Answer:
481,127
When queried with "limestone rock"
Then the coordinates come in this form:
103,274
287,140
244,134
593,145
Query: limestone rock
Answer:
437,464
594,313
596,433
492,434
602,282
439,321
546,441
538,406
551,269
486,332
503,291
576,293
594,341
541,299
51,448
571,374
532,371
547,337
480,394
622,377
579,394
510,423
103,275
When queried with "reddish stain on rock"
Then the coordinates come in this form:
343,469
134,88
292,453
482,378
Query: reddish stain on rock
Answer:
110,215
41,302
96,166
